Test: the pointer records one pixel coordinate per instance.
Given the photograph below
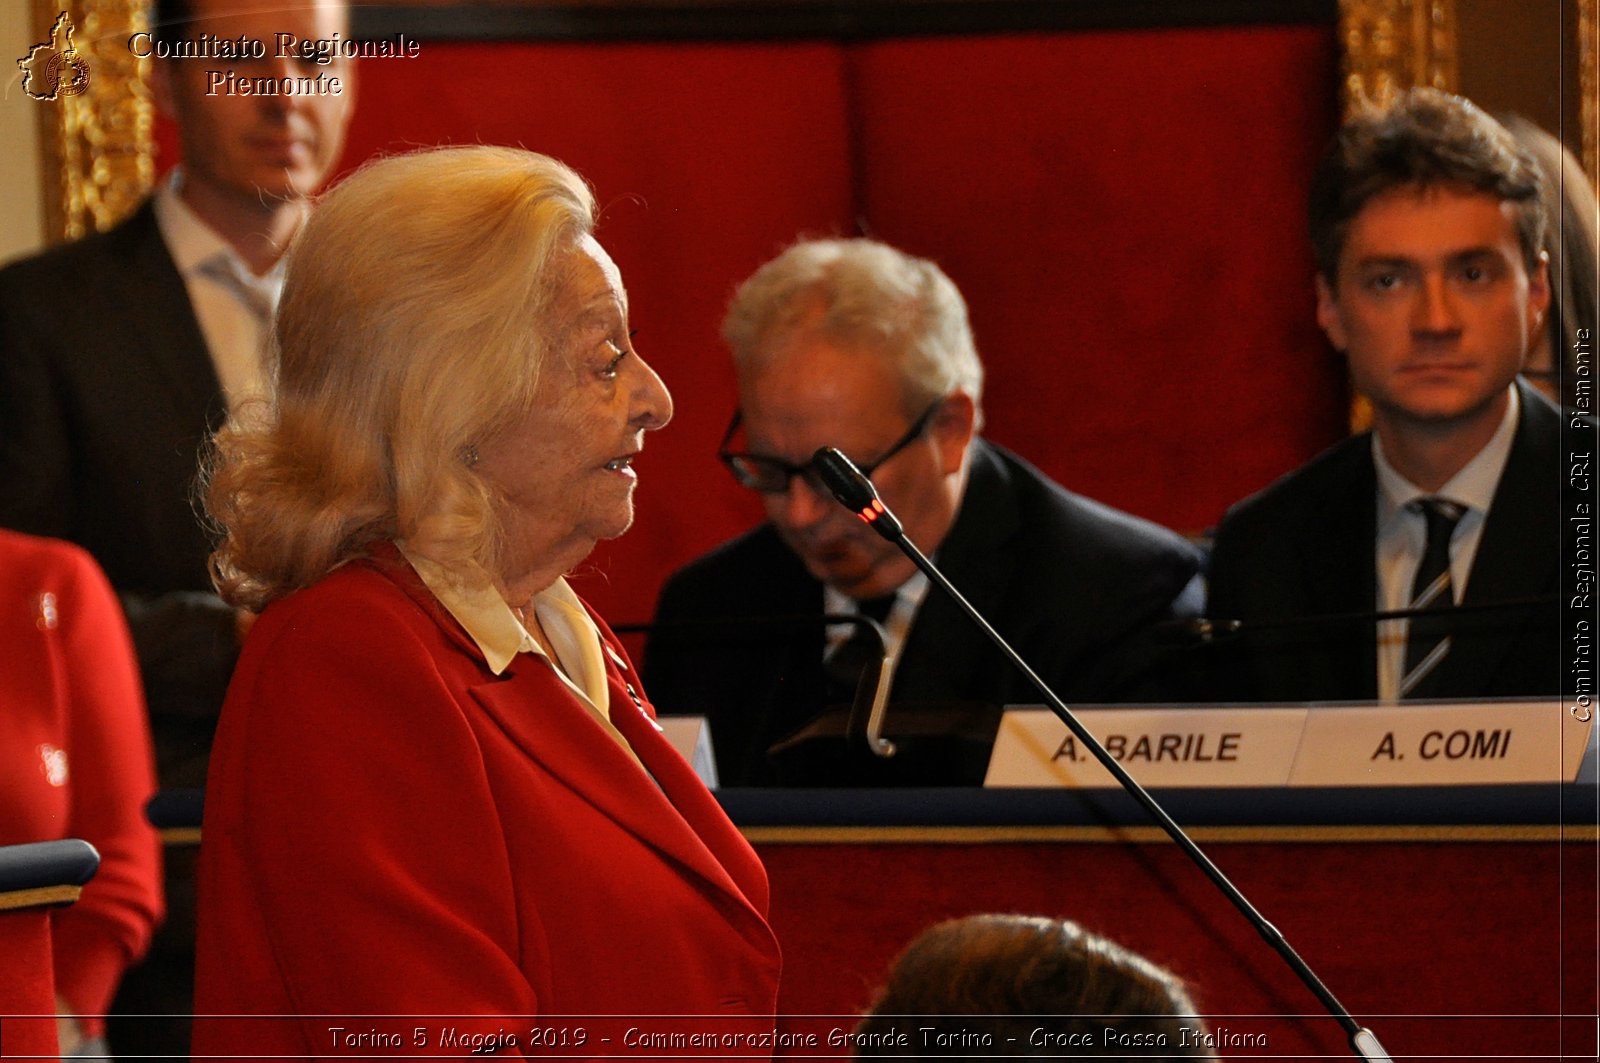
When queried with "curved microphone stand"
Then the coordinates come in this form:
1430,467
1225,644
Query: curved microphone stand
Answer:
856,493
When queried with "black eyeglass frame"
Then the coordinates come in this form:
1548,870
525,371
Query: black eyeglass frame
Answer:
735,460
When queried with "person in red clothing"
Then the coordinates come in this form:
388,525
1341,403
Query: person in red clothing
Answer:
78,765
438,794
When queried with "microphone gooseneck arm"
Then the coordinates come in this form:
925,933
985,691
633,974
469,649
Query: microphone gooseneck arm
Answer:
1222,629
856,493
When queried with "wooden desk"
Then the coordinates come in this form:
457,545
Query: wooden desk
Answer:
1456,923
1449,938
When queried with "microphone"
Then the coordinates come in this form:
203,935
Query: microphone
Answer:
856,493
871,702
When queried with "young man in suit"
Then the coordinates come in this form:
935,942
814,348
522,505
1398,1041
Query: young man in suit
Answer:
853,344
122,352
1427,225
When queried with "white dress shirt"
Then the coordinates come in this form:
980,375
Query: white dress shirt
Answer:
1403,534
233,305
908,599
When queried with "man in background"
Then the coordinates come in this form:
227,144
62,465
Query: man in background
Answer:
1427,226
856,345
122,352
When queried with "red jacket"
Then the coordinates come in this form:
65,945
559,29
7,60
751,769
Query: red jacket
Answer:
76,749
393,830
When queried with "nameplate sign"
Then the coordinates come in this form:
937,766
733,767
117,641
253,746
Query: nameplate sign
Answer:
1158,746
1296,745
1441,745
691,737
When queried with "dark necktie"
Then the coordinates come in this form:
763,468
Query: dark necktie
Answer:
1428,638
843,666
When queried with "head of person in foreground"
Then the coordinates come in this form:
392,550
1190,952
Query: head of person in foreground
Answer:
1028,985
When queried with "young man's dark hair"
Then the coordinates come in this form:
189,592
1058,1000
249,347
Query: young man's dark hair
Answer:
1425,139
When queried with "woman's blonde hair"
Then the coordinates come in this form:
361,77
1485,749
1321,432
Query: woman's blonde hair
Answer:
410,329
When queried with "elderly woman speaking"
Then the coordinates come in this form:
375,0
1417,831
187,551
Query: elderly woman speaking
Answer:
437,789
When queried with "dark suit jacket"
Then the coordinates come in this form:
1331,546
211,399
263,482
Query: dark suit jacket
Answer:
1307,547
106,394
1074,585
455,843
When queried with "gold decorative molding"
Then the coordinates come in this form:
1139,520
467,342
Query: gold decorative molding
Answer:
1386,47
97,148
1392,45
1148,835
1589,87
41,897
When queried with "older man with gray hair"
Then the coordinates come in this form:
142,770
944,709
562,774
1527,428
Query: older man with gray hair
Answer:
859,346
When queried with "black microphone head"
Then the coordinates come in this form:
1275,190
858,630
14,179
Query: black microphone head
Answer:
855,492
840,476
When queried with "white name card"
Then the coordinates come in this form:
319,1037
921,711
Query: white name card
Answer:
1296,745
691,737
1159,746
1441,745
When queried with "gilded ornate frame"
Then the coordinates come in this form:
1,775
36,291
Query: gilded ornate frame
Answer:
99,151
1391,45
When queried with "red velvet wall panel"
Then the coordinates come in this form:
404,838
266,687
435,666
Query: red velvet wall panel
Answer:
1123,211
707,159
1447,950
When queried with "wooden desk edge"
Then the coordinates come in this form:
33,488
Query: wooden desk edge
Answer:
41,897
1002,835
997,835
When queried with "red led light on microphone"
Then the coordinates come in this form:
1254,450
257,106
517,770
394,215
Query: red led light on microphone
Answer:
871,513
